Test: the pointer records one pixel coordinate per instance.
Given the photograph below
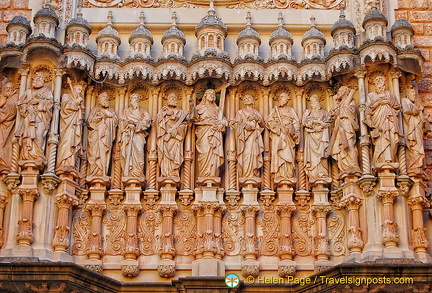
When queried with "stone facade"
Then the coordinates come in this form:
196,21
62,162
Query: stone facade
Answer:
271,139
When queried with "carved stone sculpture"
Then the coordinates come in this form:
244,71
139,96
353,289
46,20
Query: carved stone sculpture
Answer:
284,126
133,125
171,126
8,111
35,108
102,124
381,115
71,118
316,122
413,124
343,142
210,124
248,125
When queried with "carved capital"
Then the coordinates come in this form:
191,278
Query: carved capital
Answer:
251,269
286,270
122,91
387,196
364,139
132,210
166,270
404,187
395,74
59,72
167,210
360,74
64,201
50,183
130,271
96,209
250,211
29,194
24,71
351,202
321,210
232,200
285,210
418,202
150,198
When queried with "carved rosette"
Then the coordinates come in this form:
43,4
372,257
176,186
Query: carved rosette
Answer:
166,270
130,271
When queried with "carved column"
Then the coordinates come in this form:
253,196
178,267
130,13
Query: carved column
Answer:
166,267
266,183
15,143
130,267
218,213
355,238
321,207
53,137
94,250
250,266
417,202
25,230
61,241
188,154
364,135
390,236
231,151
286,266
3,203
13,213
151,144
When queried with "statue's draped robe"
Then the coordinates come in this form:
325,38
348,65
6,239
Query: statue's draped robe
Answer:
248,125
131,139
209,141
102,123
170,138
284,138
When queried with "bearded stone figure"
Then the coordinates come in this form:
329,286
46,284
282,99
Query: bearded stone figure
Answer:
171,127
381,115
132,132
102,123
210,126
284,126
343,142
8,111
316,122
35,107
413,124
71,119
248,125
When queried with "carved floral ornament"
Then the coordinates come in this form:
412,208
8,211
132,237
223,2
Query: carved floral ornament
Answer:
233,4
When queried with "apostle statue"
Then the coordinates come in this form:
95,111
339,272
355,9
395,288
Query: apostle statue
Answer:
210,125
71,119
132,132
171,127
35,107
343,141
381,115
316,122
248,125
284,126
101,124
413,125
8,111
